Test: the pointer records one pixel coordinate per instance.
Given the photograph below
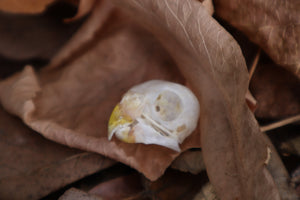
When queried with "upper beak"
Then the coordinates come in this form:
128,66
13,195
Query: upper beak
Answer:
117,120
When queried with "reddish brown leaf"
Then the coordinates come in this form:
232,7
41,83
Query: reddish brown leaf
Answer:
276,90
189,161
32,167
24,37
273,25
119,188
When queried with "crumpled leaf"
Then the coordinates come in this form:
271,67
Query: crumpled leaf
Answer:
273,25
85,35
72,104
31,167
209,58
24,6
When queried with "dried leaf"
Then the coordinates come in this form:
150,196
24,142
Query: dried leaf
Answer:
32,167
175,185
189,161
84,8
75,194
71,105
278,171
209,58
276,90
119,188
273,25
85,36
24,37
24,6
207,192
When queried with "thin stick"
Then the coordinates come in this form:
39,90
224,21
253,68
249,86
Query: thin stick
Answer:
280,123
254,64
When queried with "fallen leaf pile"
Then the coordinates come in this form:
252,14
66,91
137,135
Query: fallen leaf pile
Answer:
66,64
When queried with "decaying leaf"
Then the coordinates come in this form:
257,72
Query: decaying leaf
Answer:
71,104
32,167
273,25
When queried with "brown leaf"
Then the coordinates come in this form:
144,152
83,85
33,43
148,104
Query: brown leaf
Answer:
189,161
175,185
280,174
24,6
273,25
209,58
84,8
207,192
80,42
276,90
32,167
24,37
71,105
119,188
75,194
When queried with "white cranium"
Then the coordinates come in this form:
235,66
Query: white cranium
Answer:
155,112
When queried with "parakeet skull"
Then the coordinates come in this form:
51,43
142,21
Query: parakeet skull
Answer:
155,112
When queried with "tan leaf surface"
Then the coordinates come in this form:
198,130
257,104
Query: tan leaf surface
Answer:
212,62
24,6
32,167
273,25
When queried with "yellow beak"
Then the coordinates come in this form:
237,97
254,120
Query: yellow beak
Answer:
120,123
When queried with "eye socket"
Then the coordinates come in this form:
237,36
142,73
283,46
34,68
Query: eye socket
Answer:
168,105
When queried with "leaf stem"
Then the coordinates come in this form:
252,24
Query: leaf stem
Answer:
254,64
280,123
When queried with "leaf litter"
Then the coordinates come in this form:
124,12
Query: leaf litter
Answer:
69,101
